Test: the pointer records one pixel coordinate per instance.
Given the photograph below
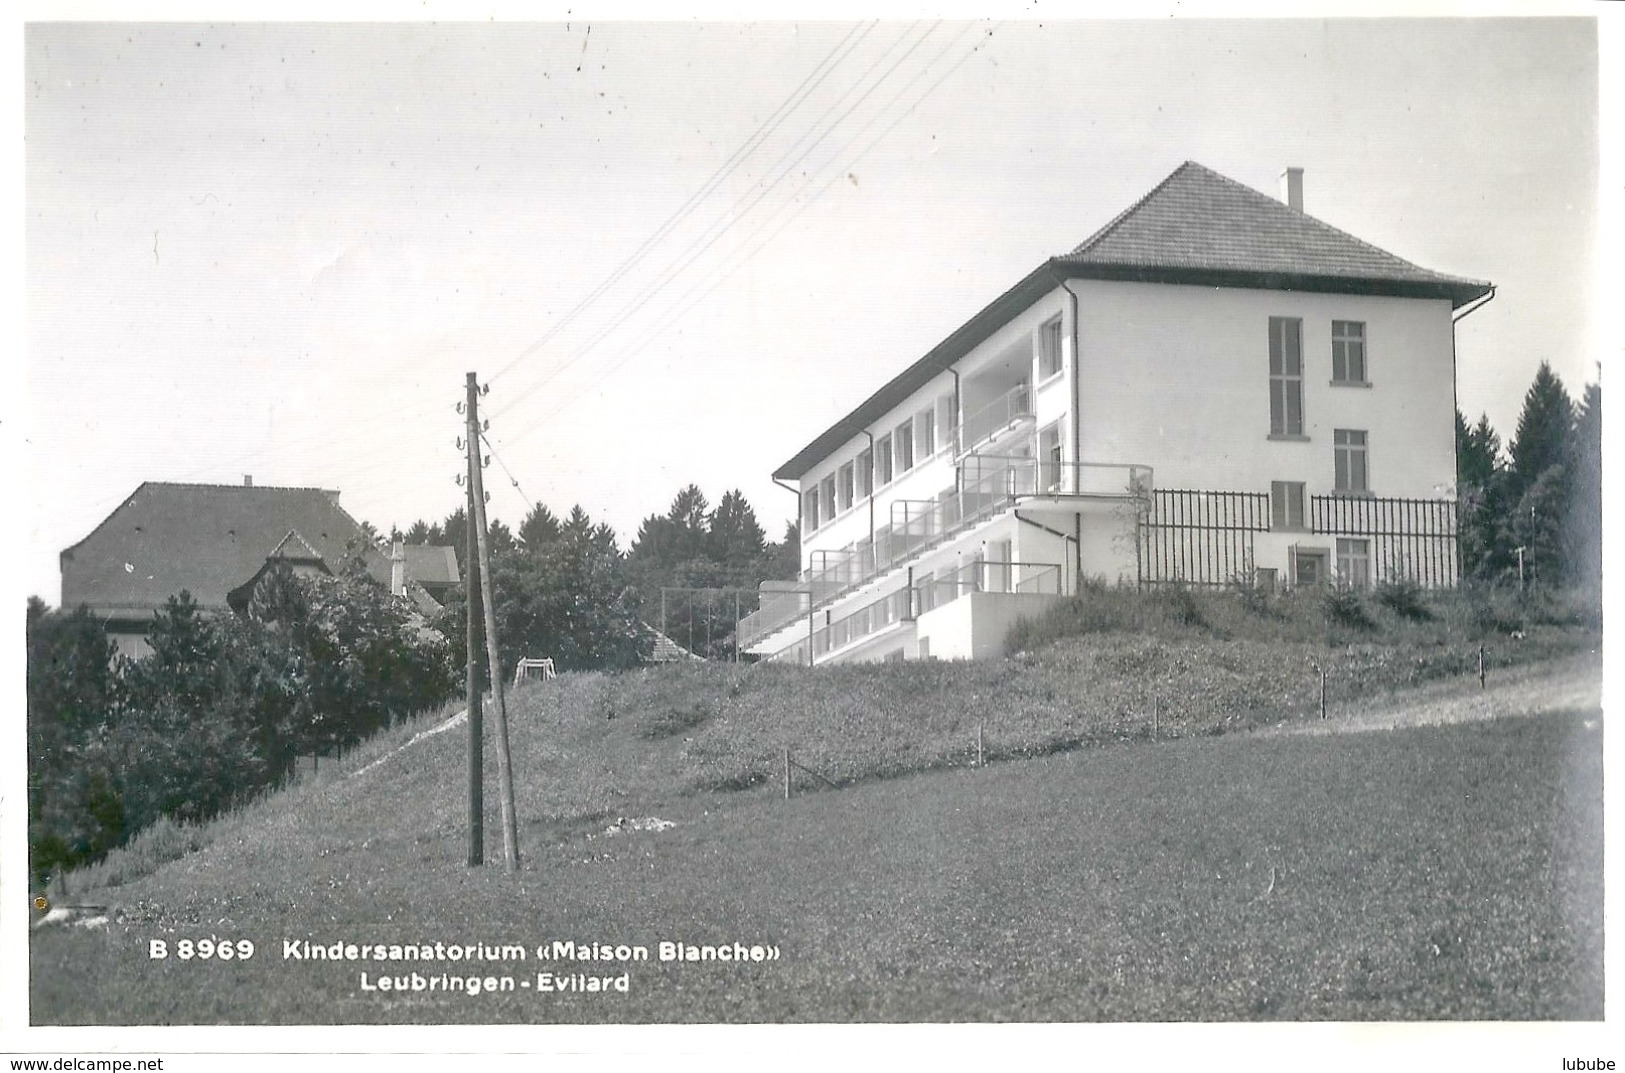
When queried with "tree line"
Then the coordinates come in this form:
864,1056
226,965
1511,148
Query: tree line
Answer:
1532,514
221,708
565,591
224,705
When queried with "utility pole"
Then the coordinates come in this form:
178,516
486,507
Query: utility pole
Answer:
476,730
499,711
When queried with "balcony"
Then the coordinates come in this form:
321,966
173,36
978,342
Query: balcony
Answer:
905,604
989,485
1010,411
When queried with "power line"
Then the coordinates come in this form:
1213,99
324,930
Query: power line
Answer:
674,315
742,206
762,133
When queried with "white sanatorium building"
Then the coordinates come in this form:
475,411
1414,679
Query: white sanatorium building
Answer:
1214,386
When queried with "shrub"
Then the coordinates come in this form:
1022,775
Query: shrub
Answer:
1254,597
1404,597
1343,606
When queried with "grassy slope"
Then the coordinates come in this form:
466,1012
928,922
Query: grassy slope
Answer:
1445,872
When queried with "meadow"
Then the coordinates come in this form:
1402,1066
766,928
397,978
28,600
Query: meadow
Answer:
1149,840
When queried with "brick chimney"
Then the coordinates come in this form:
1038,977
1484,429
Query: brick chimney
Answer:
1292,188
248,480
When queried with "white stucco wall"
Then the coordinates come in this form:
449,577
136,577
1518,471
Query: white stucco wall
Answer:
1178,377
974,626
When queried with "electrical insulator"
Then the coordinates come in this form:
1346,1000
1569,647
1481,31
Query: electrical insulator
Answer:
459,443
487,461
487,427
488,497
459,407
485,389
459,480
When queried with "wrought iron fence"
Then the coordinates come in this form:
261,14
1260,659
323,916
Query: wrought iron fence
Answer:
1411,539
1200,538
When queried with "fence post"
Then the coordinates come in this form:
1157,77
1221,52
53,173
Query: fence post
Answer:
1322,691
1480,666
981,759
787,773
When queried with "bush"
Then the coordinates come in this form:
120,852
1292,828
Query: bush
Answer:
1344,606
1404,597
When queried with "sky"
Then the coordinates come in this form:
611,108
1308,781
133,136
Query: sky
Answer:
676,252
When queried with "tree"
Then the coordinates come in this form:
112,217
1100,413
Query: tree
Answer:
1583,527
1544,428
73,695
1480,480
565,598
1538,479
735,538
540,527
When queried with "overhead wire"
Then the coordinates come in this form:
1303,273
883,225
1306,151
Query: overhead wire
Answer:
784,167
673,315
810,83
768,127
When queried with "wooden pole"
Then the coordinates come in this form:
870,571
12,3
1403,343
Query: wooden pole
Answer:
1156,716
1322,691
499,711
787,773
1480,666
476,728
981,757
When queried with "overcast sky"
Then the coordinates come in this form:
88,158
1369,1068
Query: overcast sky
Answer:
676,253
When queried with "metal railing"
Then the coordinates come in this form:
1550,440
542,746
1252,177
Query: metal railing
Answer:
928,593
776,611
1013,406
988,486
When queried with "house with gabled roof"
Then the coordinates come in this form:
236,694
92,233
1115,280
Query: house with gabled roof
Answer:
1213,387
216,541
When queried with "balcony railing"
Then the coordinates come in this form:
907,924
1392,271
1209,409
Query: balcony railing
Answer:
926,594
989,485
1013,406
777,610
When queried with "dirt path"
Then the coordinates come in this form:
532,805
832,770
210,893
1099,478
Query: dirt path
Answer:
1567,685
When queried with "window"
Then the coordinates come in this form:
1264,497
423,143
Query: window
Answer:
904,440
1348,352
1308,566
1049,457
1354,562
826,497
925,433
1286,505
844,487
1286,376
809,508
1349,451
866,474
947,417
1049,348
882,461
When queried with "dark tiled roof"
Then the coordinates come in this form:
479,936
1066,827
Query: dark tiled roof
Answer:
432,564
1200,220
206,539
1195,227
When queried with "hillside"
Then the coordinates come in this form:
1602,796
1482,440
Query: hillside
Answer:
1049,889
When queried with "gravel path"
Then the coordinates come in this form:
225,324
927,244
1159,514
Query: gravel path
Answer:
1567,685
